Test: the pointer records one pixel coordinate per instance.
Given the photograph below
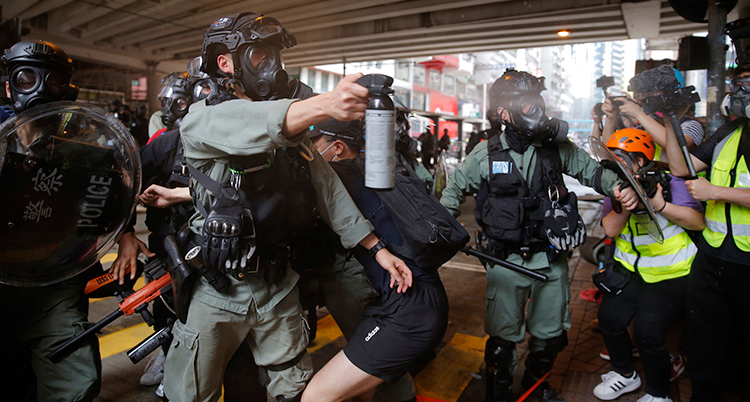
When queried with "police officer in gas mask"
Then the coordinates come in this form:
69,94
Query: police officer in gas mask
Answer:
258,182
36,320
36,73
529,218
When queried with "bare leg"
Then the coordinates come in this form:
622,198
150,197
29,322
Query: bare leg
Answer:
339,380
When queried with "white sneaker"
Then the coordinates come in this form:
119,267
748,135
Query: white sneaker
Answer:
613,385
651,398
160,390
154,373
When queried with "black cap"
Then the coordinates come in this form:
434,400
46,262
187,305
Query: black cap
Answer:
342,130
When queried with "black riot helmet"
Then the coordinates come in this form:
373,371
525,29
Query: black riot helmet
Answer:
519,93
255,42
175,96
38,72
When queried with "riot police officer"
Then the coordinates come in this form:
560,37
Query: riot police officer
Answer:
517,176
256,183
37,320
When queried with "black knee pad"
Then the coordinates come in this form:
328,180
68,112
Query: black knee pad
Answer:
540,362
557,344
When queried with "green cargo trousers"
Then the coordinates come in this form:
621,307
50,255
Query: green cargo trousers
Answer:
510,295
35,322
203,346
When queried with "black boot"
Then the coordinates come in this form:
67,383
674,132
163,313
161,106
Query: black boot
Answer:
498,354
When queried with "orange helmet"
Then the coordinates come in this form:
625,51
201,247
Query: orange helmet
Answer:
633,140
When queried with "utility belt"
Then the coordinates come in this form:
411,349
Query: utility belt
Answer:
186,267
504,250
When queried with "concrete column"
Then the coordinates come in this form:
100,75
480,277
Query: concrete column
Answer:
717,18
153,85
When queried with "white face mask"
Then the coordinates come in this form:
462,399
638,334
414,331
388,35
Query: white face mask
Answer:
329,147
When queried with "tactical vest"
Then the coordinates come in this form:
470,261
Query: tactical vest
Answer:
280,195
162,222
638,251
509,209
729,170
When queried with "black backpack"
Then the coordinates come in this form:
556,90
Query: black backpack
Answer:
432,236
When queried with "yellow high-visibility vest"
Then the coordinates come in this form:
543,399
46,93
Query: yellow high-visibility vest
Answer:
656,262
724,166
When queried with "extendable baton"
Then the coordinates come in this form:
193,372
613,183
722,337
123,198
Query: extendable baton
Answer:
505,264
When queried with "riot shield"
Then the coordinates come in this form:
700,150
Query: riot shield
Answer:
645,217
69,177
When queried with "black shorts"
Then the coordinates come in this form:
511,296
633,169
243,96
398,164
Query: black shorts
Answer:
405,328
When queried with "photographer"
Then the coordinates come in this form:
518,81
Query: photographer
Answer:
655,294
717,298
662,80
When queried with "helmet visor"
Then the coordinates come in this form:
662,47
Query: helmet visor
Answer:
530,84
165,92
263,28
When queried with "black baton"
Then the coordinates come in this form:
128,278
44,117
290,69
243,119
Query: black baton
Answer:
505,264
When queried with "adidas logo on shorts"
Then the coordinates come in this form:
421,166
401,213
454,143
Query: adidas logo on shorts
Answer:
372,333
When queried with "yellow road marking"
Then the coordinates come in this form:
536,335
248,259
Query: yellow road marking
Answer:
327,332
120,341
108,258
446,377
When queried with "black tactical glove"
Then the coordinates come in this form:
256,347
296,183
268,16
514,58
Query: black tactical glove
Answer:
221,233
564,227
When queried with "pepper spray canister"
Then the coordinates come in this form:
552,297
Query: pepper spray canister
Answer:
380,132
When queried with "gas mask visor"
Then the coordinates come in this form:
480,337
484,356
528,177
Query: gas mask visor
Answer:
33,85
527,114
262,72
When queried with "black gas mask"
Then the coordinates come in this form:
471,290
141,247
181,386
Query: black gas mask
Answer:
255,42
527,117
518,92
175,97
38,72
262,75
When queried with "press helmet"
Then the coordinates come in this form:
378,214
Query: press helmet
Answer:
633,140
38,72
255,42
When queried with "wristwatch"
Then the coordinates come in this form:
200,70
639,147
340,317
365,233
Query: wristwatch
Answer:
381,244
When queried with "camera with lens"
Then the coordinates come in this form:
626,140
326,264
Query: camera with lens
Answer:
670,100
603,82
649,180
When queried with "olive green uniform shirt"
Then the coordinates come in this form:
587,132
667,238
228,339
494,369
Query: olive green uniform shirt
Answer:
210,134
